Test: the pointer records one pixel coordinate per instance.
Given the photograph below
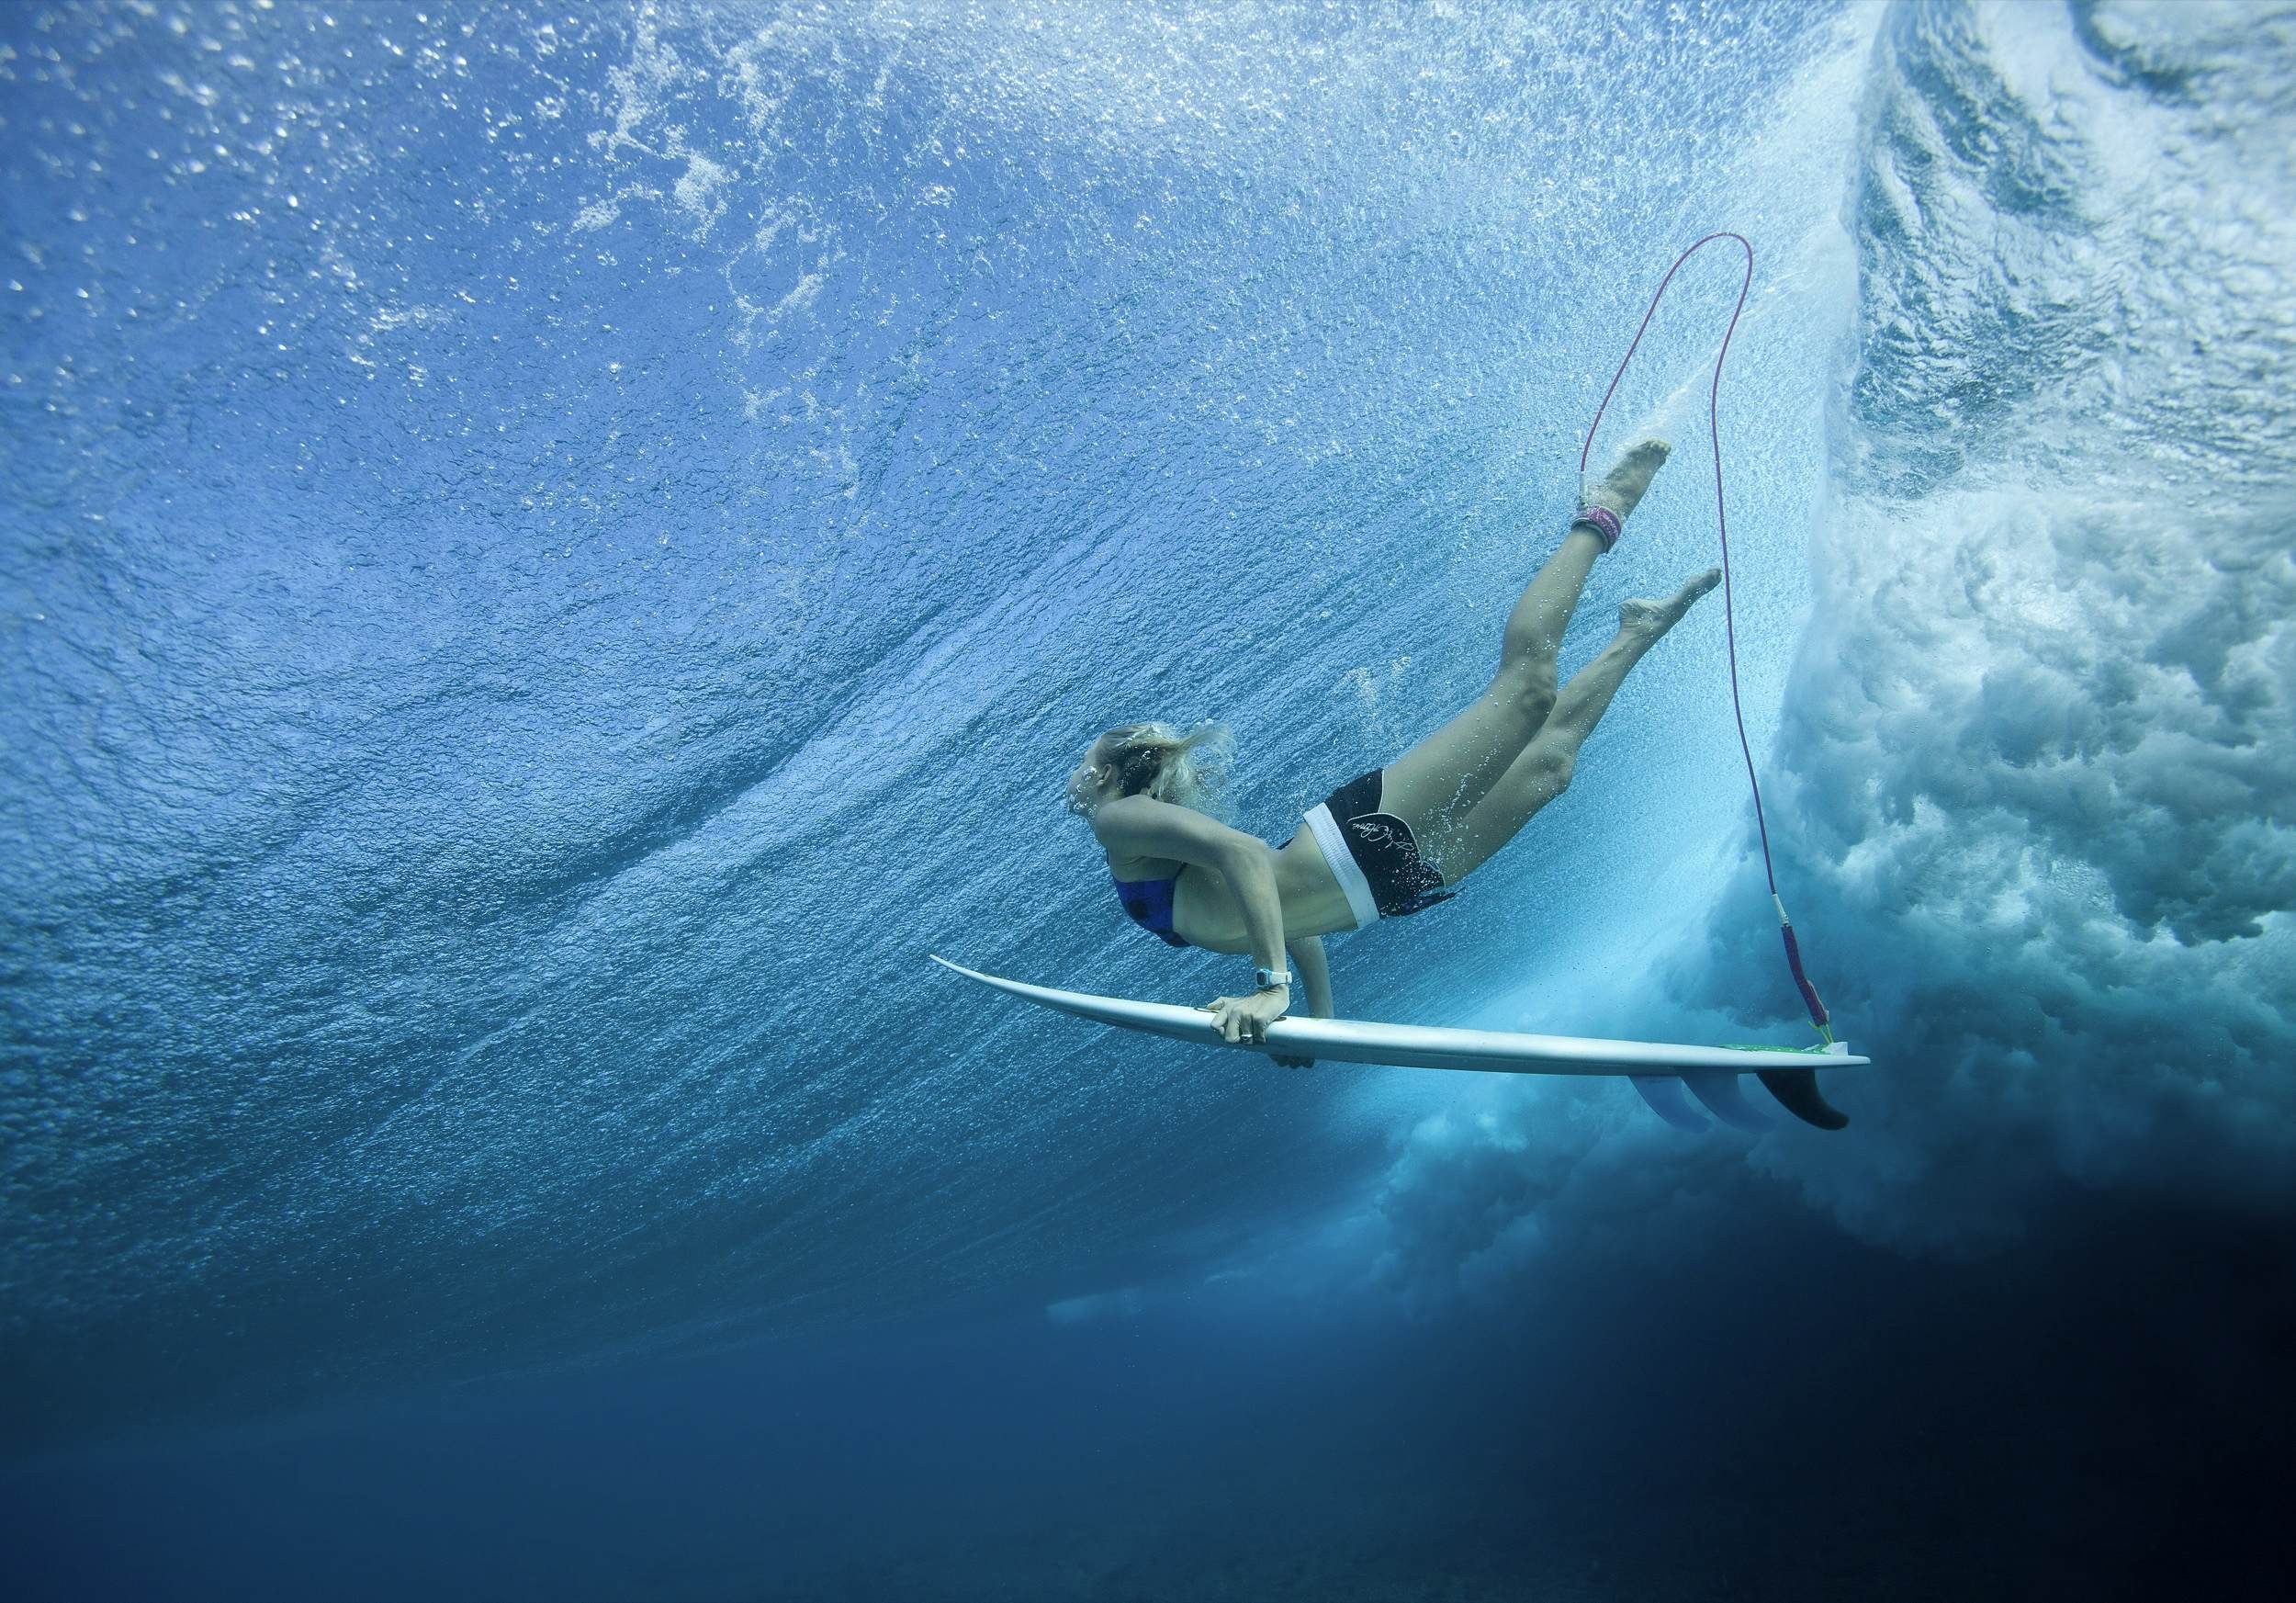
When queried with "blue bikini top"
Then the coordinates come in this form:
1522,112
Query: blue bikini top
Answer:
1149,901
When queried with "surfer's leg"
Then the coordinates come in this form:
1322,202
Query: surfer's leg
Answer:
1543,770
1441,779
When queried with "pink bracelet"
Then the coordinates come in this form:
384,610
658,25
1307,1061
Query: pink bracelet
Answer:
1604,521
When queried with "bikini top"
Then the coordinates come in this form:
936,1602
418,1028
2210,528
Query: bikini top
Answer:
1149,901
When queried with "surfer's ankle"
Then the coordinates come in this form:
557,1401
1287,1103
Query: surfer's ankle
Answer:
1601,523
1610,502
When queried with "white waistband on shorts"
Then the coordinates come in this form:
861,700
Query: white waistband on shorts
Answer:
1344,868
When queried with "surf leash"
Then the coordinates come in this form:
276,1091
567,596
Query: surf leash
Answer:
1819,1019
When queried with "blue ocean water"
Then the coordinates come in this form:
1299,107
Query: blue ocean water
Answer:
552,553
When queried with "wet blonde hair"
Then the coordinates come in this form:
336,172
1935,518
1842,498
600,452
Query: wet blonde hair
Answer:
1188,770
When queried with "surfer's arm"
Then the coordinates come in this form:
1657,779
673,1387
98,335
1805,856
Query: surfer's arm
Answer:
1141,825
1309,967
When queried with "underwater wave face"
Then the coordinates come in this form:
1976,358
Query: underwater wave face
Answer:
551,556
2036,777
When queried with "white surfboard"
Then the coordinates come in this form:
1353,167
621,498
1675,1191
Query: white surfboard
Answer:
1709,1072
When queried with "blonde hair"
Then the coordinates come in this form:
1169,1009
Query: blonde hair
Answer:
1188,770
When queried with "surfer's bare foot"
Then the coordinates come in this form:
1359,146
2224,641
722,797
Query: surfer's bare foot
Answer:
1622,487
1646,620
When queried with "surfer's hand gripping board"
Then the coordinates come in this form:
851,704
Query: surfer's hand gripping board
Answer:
1244,1019
1251,1026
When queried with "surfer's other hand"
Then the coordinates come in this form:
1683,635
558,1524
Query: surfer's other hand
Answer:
1291,1062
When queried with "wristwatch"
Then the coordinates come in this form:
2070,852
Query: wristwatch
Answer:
1269,979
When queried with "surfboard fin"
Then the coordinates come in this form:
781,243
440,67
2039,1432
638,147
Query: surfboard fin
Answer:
1726,1102
1797,1091
1670,1100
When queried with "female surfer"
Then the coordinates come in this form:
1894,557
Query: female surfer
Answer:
1395,839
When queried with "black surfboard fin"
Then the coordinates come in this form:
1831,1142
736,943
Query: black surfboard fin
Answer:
1797,1093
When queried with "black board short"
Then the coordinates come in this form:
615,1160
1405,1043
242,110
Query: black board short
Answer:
1403,882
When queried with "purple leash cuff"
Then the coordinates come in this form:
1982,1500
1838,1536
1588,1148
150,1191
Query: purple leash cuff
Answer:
1602,521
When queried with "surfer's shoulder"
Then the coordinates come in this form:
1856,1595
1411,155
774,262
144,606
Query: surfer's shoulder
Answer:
1143,827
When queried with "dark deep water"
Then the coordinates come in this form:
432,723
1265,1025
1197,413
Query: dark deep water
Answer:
2102,1413
551,554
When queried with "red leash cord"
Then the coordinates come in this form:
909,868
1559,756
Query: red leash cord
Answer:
1730,621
